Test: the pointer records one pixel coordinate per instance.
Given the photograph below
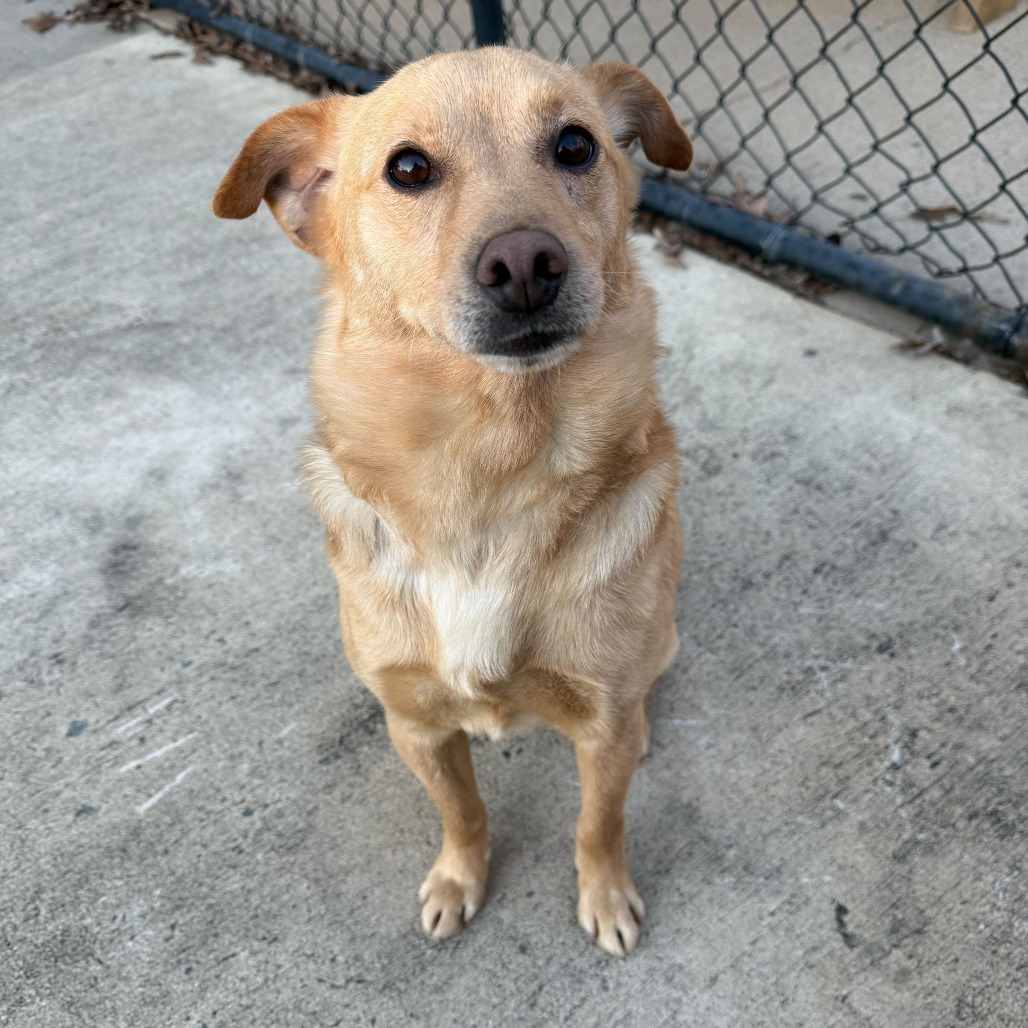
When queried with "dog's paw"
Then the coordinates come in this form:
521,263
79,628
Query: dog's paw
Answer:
450,897
611,912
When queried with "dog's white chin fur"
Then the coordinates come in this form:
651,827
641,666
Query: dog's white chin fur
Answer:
548,358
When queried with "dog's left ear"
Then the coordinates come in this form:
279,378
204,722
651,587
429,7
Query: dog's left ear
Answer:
636,109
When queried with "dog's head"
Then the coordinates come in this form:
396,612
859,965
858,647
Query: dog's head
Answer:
482,198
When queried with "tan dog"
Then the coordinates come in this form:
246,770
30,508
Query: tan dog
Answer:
494,472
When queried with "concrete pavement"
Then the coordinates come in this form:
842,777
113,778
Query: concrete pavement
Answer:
201,817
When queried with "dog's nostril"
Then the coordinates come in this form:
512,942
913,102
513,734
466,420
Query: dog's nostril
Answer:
500,274
548,266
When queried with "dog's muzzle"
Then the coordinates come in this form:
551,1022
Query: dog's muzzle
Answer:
526,302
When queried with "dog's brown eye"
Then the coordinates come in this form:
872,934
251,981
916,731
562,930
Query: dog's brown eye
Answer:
409,168
575,148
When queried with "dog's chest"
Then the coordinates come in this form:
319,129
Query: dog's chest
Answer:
474,606
464,616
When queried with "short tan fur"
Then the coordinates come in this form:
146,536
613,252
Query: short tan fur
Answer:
502,524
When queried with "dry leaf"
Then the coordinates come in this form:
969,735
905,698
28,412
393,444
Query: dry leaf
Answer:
945,211
42,22
940,213
962,20
759,206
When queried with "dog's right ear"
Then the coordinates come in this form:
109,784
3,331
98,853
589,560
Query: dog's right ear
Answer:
637,109
286,162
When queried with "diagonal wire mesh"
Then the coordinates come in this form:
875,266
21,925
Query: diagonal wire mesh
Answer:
875,123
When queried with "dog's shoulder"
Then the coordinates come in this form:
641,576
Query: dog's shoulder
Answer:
345,515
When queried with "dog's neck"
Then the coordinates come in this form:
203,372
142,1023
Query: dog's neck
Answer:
441,445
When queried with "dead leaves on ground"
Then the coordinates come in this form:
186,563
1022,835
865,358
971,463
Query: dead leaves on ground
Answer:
672,238
117,15
122,15
963,350
757,204
207,42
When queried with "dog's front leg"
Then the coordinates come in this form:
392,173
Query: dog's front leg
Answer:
609,908
455,887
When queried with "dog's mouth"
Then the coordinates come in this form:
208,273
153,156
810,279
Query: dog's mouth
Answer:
532,351
532,344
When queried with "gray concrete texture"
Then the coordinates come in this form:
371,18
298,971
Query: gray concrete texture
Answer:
201,818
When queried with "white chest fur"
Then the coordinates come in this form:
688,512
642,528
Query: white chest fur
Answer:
477,614
478,623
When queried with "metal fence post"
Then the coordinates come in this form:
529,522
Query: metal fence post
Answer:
489,28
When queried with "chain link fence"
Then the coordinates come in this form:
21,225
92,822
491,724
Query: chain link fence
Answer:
897,128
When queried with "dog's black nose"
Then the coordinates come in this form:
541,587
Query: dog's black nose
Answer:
523,270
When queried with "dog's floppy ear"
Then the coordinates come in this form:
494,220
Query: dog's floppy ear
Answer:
287,162
636,109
